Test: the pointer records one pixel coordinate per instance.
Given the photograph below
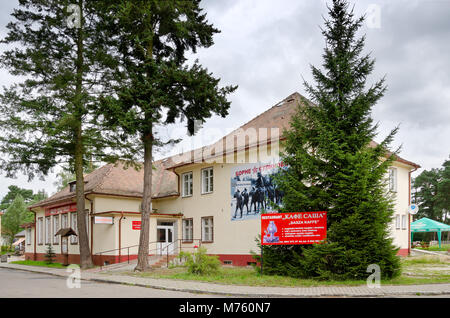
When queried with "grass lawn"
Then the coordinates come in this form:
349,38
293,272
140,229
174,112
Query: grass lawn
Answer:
415,270
443,248
39,263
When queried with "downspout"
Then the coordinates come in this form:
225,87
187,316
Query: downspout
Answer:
92,221
120,236
409,215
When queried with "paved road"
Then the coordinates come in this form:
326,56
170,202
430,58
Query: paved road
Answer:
21,284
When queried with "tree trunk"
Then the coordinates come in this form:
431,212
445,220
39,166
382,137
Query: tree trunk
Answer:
144,241
83,240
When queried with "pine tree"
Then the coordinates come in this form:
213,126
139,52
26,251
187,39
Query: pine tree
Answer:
152,84
46,119
334,166
49,255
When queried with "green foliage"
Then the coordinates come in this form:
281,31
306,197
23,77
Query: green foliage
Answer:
6,249
16,214
28,196
49,255
335,167
47,117
433,193
150,82
66,175
199,262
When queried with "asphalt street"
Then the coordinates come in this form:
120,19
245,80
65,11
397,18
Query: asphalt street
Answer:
22,284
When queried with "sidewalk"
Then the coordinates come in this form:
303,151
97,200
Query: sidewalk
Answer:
246,291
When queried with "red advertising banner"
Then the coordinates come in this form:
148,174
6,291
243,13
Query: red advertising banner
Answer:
293,228
61,209
136,225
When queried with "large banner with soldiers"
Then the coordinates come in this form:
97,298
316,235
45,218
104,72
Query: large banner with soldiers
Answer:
253,190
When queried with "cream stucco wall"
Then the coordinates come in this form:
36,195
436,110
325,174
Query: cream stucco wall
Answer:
238,237
230,237
401,201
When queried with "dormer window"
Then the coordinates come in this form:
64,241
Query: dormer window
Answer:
72,186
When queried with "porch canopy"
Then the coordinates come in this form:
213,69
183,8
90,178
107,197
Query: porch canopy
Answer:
428,225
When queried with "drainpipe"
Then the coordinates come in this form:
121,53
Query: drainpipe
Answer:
120,236
92,221
409,215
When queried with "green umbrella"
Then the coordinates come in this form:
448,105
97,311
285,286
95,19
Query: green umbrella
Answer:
428,225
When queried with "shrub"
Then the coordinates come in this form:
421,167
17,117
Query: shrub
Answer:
199,262
50,255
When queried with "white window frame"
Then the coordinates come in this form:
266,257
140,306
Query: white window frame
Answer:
404,222
28,236
74,226
393,179
64,220
207,229
207,180
397,221
48,230
56,227
187,182
40,231
188,230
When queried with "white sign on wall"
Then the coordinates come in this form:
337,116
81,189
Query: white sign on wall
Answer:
103,220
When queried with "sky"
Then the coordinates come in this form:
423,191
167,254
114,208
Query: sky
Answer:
267,47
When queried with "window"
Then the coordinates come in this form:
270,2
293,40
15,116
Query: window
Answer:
48,230
73,225
207,180
72,186
404,222
393,179
207,229
397,221
55,229
188,230
39,232
28,236
187,184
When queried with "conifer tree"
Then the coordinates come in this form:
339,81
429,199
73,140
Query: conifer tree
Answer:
151,82
45,120
49,255
334,166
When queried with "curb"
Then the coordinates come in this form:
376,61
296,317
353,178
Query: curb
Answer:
231,293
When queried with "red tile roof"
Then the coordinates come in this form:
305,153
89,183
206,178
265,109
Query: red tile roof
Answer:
121,181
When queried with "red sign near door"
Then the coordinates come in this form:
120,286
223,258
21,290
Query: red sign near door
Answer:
136,225
293,228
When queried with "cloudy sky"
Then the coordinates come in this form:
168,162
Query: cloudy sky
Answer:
267,46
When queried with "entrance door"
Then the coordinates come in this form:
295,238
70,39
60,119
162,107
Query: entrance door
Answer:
164,232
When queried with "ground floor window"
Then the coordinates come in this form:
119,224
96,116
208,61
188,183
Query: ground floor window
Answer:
188,232
55,229
64,223
207,229
397,221
48,231
39,231
74,226
28,236
404,223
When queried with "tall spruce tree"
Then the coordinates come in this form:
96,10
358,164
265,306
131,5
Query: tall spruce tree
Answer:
334,166
45,120
151,83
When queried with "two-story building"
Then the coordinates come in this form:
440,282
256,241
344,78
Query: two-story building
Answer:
212,196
